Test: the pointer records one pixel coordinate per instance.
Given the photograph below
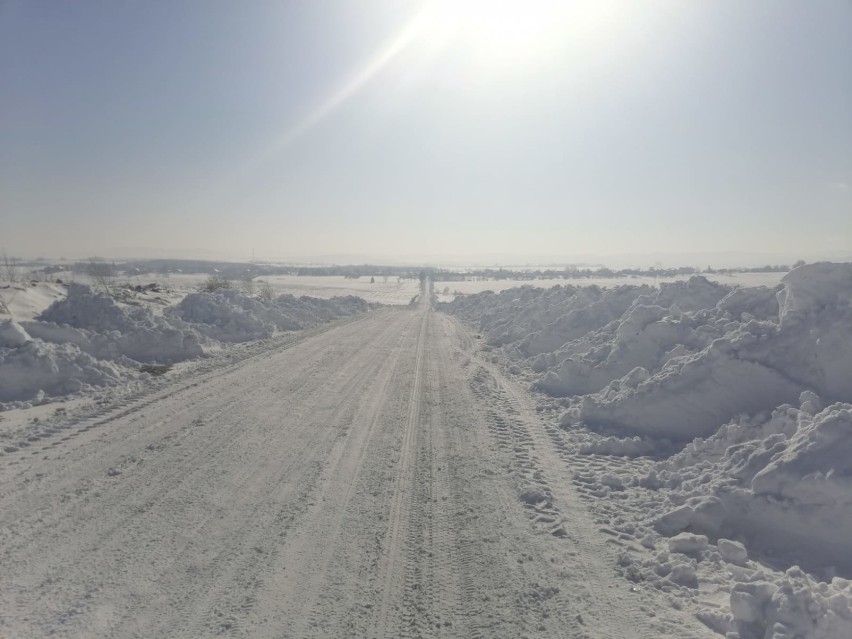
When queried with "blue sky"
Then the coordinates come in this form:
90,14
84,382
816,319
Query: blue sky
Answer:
391,129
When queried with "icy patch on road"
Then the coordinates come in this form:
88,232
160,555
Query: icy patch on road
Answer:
710,427
87,340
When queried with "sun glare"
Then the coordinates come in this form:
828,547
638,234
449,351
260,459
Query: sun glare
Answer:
508,33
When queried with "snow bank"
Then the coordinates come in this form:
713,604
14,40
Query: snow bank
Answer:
230,316
84,308
25,300
88,340
733,408
679,361
33,371
157,344
759,512
783,482
217,316
689,397
98,326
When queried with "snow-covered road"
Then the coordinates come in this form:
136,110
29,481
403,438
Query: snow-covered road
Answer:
376,479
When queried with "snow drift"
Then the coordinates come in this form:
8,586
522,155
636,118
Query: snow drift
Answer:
741,401
782,481
679,361
89,340
230,316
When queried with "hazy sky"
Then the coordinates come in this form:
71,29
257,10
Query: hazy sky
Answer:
393,128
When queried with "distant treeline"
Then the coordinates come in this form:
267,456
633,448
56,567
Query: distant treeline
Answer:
226,270
249,270
363,270
573,273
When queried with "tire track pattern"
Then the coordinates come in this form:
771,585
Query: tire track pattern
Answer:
513,438
376,480
399,518
139,395
588,589
206,556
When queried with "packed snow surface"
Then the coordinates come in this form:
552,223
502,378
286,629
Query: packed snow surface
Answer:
717,418
708,425
87,339
378,479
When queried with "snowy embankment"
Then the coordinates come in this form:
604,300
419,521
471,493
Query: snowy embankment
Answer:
729,409
89,340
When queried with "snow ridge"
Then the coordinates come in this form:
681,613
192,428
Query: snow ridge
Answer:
88,340
732,408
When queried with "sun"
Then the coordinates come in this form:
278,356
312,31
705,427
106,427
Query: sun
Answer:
510,33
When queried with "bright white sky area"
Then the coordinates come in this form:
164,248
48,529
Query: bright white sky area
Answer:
378,129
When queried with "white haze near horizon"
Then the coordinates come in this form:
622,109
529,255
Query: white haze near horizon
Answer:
702,133
486,261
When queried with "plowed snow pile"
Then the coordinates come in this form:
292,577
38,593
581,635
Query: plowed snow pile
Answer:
87,340
711,429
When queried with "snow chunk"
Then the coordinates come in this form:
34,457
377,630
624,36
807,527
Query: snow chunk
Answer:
674,521
794,606
688,544
811,288
749,601
684,575
733,551
13,334
815,465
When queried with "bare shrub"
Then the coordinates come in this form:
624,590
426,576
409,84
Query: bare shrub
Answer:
215,283
10,270
247,286
266,293
102,275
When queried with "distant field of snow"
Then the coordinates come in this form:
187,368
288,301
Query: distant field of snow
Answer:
392,291
447,291
710,427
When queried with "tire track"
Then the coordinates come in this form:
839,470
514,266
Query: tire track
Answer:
155,390
379,481
588,553
389,579
257,538
312,572
213,449
97,530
